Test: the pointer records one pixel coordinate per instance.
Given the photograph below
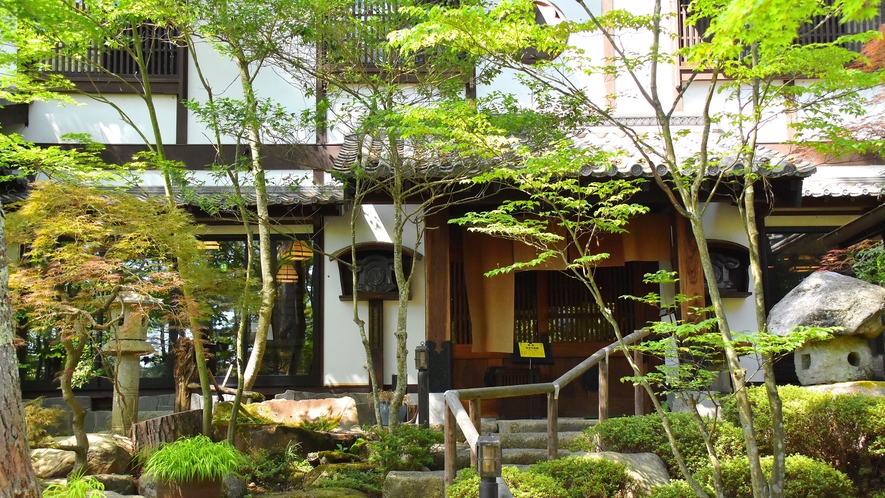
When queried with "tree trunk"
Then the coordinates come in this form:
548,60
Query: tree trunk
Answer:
17,478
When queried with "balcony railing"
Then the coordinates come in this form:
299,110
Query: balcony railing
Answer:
819,30
112,68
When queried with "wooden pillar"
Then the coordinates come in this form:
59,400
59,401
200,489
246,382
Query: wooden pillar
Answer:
691,273
475,409
552,427
437,278
376,339
603,389
638,390
451,450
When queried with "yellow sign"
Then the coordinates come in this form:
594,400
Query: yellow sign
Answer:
531,350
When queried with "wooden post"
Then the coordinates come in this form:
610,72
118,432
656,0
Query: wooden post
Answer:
376,339
451,450
552,427
474,407
638,391
603,388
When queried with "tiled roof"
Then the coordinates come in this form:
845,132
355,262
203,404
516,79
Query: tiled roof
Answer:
845,181
276,195
373,154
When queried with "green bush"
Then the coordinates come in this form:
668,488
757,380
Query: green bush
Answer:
275,469
804,477
646,434
76,487
587,477
406,448
40,419
521,484
369,480
677,488
845,430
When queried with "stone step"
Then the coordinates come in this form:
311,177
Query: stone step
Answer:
536,440
565,424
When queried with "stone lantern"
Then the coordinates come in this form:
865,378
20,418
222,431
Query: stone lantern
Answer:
128,344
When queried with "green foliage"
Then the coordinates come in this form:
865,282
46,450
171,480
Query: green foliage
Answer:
587,477
676,488
521,484
845,430
369,480
406,447
646,434
322,424
275,469
76,487
864,260
39,418
805,477
196,457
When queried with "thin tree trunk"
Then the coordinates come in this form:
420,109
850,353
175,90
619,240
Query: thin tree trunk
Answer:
17,478
73,352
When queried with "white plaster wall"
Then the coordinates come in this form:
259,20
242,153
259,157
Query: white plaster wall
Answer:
50,120
344,358
722,221
222,74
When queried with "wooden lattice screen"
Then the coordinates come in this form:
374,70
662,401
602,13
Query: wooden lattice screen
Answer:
565,302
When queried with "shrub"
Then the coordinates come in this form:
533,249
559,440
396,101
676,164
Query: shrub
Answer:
587,477
406,448
189,458
646,434
39,419
369,480
804,477
677,488
76,487
275,469
521,484
846,430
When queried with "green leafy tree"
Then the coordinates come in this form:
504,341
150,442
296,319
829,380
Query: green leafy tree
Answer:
751,57
85,249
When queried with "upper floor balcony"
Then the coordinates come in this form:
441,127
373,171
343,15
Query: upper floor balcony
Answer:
116,70
821,29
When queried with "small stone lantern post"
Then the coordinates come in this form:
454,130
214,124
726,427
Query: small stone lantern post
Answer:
128,344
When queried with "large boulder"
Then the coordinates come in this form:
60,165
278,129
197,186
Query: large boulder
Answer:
107,454
296,412
646,468
827,299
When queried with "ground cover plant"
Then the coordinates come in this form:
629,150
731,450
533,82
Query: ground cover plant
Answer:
572,477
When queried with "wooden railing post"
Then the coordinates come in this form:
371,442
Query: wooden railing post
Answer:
638,391
603,388
451,450
474,408
552,426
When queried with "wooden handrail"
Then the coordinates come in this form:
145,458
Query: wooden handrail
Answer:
469,422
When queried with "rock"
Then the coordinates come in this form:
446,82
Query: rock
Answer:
271,437
403,484
294,412
840,359
118,483
827,299
147,486
233,487
867,387
107,454
646,468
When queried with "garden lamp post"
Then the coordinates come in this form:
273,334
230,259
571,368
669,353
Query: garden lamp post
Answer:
488,465
421,363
